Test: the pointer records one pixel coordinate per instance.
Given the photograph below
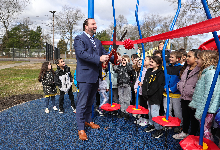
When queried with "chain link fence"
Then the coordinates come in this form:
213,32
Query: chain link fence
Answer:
22,53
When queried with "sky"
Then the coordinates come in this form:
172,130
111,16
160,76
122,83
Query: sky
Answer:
38,11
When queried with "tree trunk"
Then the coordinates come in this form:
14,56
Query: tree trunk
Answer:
185,42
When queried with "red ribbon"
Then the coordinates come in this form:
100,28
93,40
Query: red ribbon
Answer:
210,25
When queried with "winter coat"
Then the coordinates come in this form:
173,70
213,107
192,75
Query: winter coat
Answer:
137,81
153,86
103,84
75,81
63,84
49,86
173,79
187,85
114,77
123,74
134,76
201,93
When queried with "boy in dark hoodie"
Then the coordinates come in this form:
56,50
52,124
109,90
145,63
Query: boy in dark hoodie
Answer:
63,79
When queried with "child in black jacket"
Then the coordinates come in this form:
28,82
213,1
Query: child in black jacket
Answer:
152,92
64,79
46,76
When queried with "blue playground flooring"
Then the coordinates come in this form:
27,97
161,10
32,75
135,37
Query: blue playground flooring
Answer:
27,126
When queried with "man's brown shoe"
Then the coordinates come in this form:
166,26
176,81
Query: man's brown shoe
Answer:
82,135
92,125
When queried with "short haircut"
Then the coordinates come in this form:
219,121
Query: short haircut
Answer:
57,61
161,42
157,52
178,54
86,23
183,51
126,56
135,56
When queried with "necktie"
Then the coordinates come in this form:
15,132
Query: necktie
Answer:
93,41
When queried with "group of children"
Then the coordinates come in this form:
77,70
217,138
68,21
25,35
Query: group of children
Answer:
189,79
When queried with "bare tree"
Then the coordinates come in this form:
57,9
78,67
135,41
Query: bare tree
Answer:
9,9
67,21
121,26
192,12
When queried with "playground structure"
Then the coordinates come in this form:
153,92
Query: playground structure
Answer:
210,25
49,52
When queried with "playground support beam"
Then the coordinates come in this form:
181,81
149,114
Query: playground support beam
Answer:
91,9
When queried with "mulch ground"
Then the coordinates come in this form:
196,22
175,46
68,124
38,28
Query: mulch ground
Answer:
8,102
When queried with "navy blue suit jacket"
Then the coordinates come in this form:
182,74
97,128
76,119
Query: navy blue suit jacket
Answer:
89,67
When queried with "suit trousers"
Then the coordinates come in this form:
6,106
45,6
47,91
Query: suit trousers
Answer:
85,100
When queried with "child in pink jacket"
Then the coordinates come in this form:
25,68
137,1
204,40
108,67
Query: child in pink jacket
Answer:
143,119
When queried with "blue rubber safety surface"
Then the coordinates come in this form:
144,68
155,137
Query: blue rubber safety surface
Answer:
27,126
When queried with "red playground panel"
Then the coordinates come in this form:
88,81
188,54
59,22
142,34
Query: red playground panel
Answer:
141,110
109,107
191,142
171,122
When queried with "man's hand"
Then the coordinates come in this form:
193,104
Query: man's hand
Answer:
140,84
104,58
135,91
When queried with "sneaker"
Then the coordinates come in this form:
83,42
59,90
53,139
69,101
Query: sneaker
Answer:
126,116
74,109
144,122
181,135
55,108
149,128
61,110
100,111
47,110
140,120
177,129
157,134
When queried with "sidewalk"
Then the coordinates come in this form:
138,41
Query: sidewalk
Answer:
17,64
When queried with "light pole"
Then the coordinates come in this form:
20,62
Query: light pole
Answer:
53,12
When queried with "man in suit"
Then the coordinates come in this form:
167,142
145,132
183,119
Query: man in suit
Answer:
90,54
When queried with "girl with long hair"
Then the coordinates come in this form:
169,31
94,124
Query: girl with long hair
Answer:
46,76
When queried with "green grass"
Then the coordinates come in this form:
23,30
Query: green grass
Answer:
23,80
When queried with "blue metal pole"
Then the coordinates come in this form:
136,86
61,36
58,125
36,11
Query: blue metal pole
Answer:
90,8
111,46
164,61
139,29
205,5
91,15
110,79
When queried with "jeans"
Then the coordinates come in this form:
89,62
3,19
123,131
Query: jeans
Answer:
52,99
154,112
103,97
